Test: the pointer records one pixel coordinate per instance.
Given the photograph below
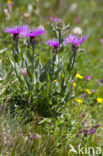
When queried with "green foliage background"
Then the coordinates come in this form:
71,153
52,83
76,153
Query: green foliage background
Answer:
17,138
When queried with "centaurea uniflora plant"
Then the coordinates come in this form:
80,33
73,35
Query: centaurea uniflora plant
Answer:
76,42
53,43
44,85
16,31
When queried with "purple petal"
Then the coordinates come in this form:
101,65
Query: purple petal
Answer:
88,77
53,43
74,40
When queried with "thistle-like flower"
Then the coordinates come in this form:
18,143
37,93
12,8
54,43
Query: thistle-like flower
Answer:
75,40
33,34
53,43
16,31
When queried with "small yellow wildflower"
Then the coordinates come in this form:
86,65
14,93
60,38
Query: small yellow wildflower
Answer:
10,2
79,76
78,100
99,100
88,91
74,84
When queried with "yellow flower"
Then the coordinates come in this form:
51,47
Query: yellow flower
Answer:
88,91
78,100
99,100
10,2
79,76
74,84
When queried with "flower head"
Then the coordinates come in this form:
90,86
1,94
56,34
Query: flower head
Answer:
88,77
53,43
93,91
35,32
9,2
78,19
96,125
83,115
78,100
101,80
99,100
99,83
101,40
74,84
16,29
88,91
74,40
92,131
79,76
84,121
52,18
84,95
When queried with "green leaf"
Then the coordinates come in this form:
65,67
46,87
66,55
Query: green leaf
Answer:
1,51
45,120
43,76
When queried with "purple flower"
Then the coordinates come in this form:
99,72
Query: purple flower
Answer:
16,29
53,43
99,83
78,19
86,132
77,135
80,131
9,3
101,40
88,77
35,32
101,80
74,40
84,95
52,18
92,131
83,115
96,125
84,121
93,91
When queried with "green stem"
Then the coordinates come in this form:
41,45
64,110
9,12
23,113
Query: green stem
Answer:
33,65
72,61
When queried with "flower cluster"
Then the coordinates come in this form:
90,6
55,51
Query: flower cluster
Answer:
87,130
25,31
